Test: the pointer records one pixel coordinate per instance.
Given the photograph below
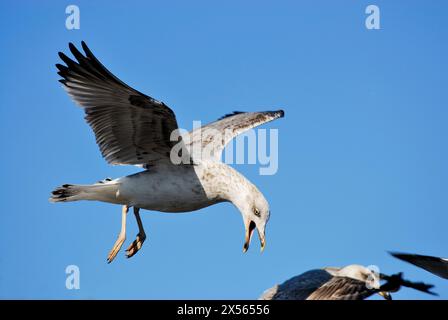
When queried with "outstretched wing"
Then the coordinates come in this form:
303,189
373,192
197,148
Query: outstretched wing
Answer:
436,265
130,127
342,288
213,137
396,281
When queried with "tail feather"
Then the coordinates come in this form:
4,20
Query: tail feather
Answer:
62,193
104,191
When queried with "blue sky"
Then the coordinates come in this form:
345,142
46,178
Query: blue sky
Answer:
362,149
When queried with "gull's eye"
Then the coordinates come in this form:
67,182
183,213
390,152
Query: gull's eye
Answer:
257,212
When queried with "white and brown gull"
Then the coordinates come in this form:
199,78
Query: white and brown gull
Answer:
132,128
353,282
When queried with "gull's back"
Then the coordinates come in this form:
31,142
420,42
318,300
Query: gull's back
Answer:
299,287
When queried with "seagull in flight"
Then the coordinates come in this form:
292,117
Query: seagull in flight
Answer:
180,175
435,265
353,282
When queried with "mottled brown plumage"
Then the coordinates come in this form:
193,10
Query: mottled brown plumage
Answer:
353,282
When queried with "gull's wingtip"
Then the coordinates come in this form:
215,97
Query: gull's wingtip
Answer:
275,113
85,47
397,254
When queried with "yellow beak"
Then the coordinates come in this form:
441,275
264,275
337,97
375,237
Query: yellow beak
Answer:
250,227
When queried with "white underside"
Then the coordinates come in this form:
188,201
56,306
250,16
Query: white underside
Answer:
171,188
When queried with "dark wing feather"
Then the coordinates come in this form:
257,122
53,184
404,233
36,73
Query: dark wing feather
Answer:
342,288
299,287
435,265
130,127
394,282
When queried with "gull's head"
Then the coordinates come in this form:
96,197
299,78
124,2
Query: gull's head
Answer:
367,275
256,213
252,205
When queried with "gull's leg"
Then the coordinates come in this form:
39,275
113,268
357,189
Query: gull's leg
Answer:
141,236
121,236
